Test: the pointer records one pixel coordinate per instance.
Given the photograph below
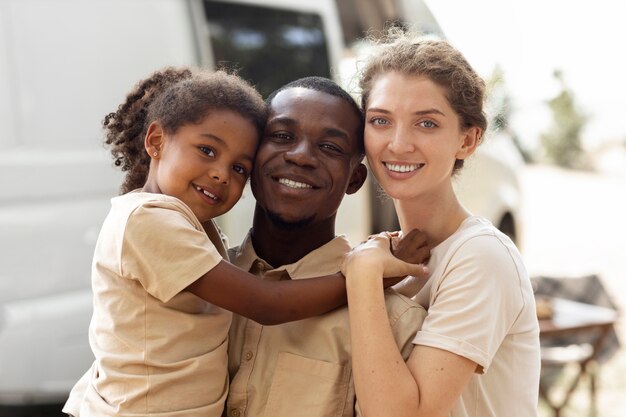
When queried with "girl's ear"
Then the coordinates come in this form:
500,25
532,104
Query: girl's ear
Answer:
471,139
154,140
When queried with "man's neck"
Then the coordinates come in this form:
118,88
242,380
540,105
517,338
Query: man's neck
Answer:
279,245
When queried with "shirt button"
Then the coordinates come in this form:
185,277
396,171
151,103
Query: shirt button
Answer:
249,355
260,266
235,413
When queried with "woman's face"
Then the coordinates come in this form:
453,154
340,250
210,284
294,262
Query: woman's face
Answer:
413,136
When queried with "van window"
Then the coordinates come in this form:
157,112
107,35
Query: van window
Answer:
269,47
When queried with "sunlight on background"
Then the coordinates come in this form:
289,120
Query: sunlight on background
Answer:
574,222
532,38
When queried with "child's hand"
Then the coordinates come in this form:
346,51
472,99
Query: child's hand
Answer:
412,247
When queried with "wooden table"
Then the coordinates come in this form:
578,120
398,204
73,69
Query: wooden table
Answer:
574,318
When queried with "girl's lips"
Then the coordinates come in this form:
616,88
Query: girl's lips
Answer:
210,197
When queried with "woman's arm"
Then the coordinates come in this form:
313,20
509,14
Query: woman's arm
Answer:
427,385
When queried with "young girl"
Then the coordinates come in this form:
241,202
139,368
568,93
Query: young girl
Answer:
477,353
187,140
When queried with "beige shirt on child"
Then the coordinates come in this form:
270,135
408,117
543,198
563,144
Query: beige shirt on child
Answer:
158,348
302,368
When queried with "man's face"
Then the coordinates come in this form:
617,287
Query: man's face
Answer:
308,157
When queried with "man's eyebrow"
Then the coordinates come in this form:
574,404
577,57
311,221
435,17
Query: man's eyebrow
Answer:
417,113
285,120
336,133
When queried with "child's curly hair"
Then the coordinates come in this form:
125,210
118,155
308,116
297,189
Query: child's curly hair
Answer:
174,97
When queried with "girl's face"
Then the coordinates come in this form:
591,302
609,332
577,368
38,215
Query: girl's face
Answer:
413,136
205,165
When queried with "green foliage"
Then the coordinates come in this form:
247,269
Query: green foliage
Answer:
500,108
562,141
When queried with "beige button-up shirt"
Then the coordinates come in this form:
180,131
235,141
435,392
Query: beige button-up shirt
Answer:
302,368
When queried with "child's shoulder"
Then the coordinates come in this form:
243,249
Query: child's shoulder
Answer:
137,203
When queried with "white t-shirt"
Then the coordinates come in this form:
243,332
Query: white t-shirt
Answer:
481,306
158,348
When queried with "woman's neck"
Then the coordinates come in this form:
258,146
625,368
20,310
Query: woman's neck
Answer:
438,216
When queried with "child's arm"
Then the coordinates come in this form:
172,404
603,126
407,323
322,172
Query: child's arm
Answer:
274,302
269,302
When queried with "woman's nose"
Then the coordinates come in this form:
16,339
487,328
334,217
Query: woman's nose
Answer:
400,141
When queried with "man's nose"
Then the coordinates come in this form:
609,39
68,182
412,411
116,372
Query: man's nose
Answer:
302,153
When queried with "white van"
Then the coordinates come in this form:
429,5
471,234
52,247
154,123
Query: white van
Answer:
64,64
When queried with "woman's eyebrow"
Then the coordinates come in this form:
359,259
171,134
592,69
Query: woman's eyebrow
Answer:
416,113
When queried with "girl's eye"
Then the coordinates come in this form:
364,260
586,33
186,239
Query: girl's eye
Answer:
428,124
240,170
208,151
379,121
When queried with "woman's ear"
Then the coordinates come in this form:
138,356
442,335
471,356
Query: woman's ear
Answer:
154,140
358,177
470,141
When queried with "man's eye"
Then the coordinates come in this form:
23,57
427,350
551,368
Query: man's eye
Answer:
208,151
281,136
330,147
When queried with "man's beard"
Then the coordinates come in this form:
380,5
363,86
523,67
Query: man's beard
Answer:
281,223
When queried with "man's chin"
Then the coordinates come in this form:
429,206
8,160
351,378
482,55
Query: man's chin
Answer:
289,224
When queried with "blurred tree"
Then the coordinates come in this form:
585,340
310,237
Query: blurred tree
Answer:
562,141
500,108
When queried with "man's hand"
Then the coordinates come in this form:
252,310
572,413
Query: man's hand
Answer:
412,247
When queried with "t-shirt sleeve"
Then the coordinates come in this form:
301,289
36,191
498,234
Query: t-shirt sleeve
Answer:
476,301
165,250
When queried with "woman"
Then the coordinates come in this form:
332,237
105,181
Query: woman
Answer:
477,353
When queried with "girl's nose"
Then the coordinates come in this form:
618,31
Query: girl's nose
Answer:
219,174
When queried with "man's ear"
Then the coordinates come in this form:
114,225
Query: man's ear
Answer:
153,142
471,139
357,179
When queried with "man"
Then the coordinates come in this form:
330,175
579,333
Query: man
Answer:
310,157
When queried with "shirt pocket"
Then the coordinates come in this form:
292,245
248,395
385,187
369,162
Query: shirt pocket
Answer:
306,387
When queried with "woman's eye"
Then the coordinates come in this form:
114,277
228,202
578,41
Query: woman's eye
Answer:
428,124
378,121
208,151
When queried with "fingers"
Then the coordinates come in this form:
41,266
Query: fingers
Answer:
415,238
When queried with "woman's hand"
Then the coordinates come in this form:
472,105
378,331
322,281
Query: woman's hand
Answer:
375,257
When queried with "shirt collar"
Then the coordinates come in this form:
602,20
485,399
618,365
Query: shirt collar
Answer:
325,260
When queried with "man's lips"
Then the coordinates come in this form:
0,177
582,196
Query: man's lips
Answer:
293,184
294,181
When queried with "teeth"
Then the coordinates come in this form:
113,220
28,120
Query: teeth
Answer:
293,184
208,194
403,168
